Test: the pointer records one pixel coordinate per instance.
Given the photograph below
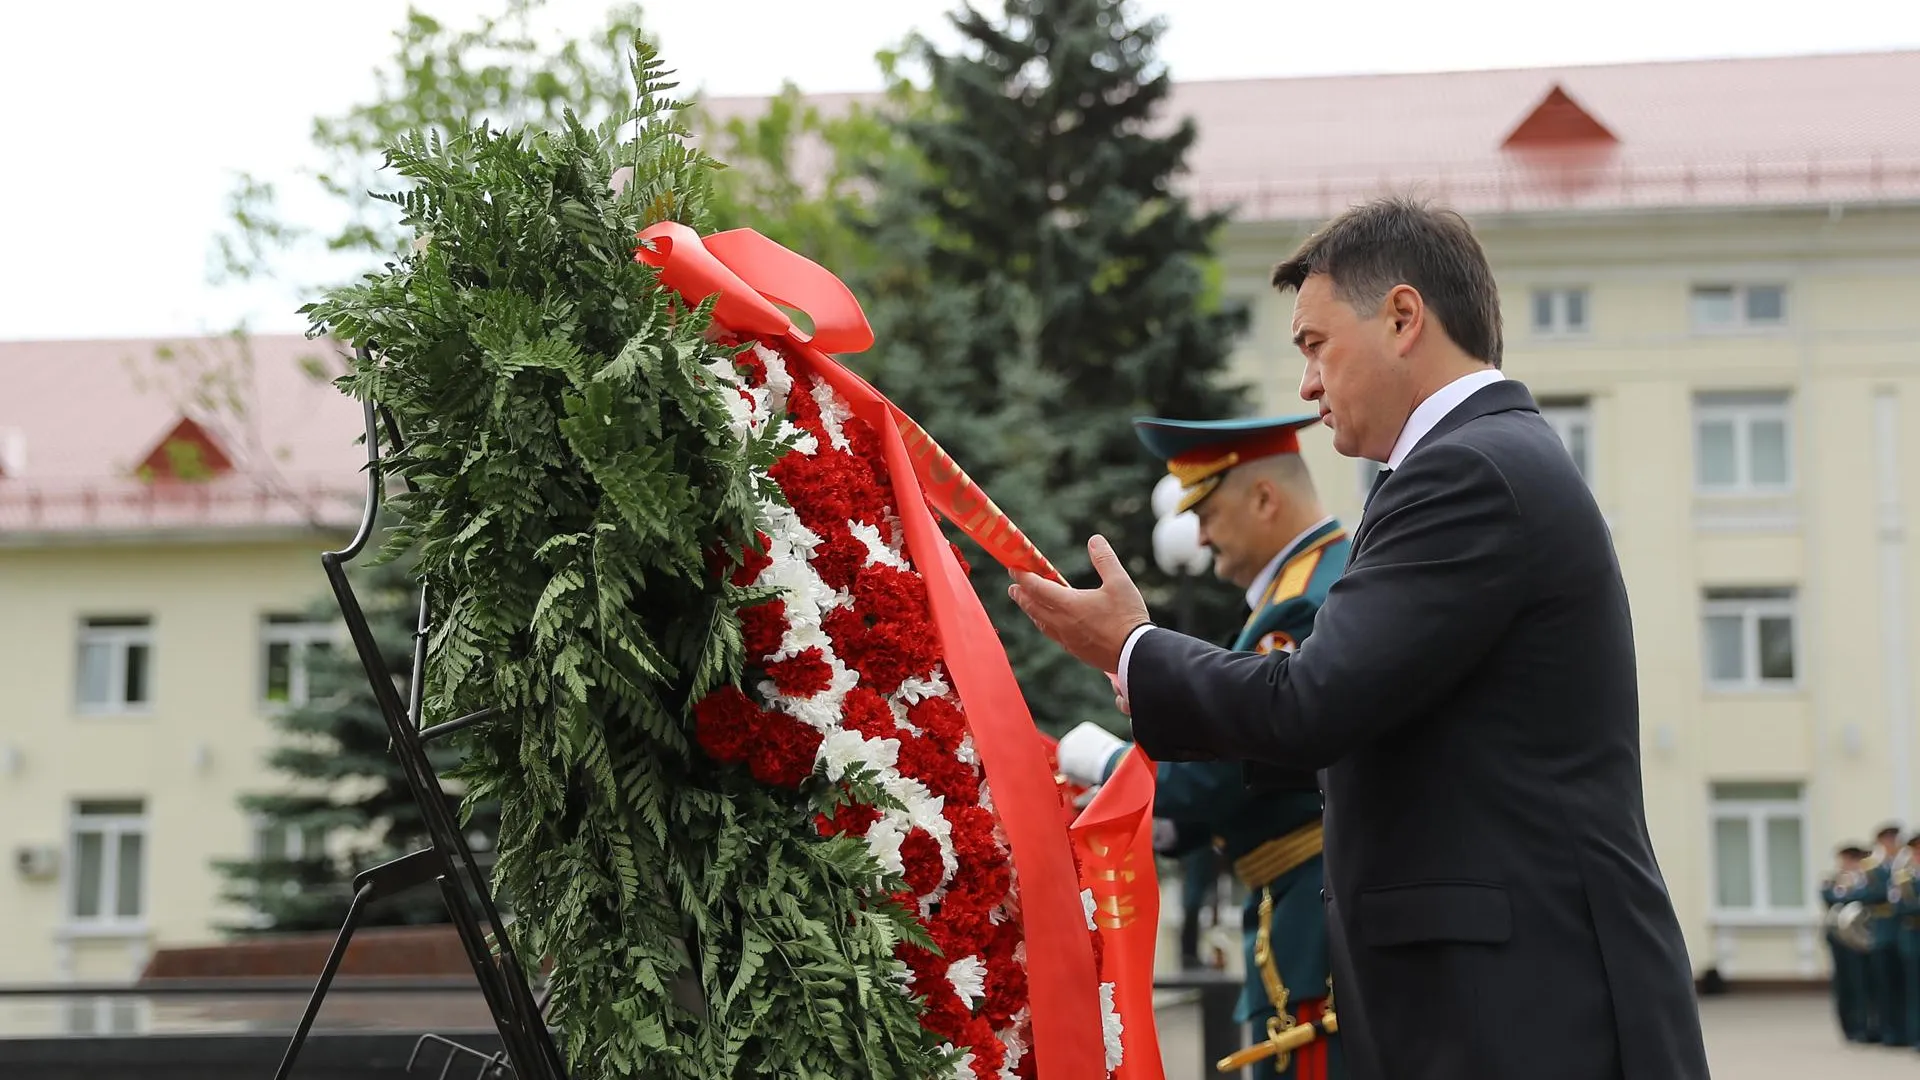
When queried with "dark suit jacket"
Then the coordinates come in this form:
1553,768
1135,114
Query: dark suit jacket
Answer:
1469,691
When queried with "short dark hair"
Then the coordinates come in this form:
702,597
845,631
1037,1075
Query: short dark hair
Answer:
1398,241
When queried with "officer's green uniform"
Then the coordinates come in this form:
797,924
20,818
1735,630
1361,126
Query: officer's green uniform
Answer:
1906,918
1849,967
1884,978
1272,839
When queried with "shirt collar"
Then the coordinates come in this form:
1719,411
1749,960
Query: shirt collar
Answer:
1435,409
1273,566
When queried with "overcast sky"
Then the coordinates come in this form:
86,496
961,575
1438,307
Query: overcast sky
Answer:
125,120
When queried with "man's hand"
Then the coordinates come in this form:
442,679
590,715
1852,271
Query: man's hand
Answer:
1092,624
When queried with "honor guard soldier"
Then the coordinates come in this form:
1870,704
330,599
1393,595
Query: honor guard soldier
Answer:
1884,978
1847,885
1904,893
1259,514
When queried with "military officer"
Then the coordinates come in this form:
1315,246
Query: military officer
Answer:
1848,883
1261,517
1884,979
1904,895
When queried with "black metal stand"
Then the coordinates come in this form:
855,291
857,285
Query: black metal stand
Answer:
528,1050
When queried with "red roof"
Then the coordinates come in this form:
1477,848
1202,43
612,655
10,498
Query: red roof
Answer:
79,419
1771,131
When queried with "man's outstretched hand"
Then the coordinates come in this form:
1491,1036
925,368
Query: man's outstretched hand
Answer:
1092,624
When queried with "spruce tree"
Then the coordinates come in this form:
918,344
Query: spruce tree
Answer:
338,786
1045,284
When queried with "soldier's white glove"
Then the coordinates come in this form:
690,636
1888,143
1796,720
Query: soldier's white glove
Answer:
1084,753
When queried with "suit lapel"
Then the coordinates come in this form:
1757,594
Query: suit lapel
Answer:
1503,396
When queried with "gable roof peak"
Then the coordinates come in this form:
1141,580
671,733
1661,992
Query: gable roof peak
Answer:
1557,120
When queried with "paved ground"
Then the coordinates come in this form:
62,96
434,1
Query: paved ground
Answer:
1749,1037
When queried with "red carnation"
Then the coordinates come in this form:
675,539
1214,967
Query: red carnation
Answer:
803,410
839,557
972,834
889,594
751,367
965,566
887,654
803,675
867,713
785,752
763,626
852,818
920,853
816,487
941,772
963,928
940,720
988,1052
725,724
864,444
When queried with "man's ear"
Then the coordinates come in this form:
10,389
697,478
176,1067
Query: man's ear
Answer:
1406,312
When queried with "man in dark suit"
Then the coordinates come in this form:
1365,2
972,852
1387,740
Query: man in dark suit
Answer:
1468,694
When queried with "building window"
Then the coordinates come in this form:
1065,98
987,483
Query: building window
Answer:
1751,639
280,841
291,645
1760,850
1739,307
109,863
1573,422
116,665
1743,443
1559,311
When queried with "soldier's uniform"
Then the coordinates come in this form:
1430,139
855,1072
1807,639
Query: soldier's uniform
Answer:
1271,838
1849,967
1887,986
1904,896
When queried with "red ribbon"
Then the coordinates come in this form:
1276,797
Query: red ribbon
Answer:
752,275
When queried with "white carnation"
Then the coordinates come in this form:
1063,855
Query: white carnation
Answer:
832,413
877,550
883,840
969,978
1110,1027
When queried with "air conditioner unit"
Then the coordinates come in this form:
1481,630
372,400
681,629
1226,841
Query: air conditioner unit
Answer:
37,862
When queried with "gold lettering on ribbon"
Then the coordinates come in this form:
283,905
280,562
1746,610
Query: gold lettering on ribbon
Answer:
962,502
1115,906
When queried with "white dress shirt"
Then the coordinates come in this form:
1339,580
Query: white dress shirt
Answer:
1425,415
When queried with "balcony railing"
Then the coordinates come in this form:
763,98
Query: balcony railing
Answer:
90,506
1566,182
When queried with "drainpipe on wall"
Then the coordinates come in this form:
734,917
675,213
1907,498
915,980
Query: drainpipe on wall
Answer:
1891,533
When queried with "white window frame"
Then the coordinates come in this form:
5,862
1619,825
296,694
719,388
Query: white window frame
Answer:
119,639
111,828
1756,812
1741,324
1557,324
1750,610
1742,410
298,636
1563,417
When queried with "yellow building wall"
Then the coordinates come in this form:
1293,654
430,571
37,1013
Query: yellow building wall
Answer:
200,745
1853,329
